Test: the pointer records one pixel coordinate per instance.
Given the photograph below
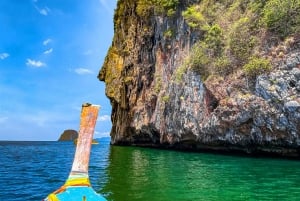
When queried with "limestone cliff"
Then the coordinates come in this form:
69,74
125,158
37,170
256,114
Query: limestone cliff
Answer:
204,75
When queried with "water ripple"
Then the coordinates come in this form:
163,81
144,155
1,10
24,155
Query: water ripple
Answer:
31,170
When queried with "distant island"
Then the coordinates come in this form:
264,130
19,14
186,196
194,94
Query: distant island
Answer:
103,139
68,135
72,135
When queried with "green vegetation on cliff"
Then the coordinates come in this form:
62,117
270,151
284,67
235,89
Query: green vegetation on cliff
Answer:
228,35
233,33
161,7
145,8
194,17
256,66
282,16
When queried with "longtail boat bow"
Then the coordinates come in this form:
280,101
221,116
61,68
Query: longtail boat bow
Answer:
78,187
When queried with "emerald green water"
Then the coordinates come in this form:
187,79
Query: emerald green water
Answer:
135,174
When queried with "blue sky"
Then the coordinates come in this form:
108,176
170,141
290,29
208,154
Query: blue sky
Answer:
50,54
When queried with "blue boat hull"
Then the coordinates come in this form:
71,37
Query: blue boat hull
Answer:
76,193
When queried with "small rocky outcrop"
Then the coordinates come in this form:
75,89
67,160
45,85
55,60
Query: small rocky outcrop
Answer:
68,135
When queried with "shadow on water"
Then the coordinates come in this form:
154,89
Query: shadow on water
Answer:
134,173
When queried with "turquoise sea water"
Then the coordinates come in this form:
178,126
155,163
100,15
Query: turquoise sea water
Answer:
31,170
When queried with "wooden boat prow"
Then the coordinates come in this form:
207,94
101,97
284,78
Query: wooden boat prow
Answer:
78,187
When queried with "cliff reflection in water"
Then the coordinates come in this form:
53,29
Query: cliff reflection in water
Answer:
158,175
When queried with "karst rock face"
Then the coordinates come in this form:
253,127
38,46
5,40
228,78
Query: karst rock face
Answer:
155,102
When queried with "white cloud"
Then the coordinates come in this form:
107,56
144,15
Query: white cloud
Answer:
4,55
82,71
102,134
34,63
44,118
3,119
37,119
47,41
48,51
105,5
43,11
88,52
104,118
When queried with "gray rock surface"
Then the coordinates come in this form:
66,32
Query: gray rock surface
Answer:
156,105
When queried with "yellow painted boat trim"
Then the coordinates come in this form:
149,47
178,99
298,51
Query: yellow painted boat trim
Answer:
78,182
